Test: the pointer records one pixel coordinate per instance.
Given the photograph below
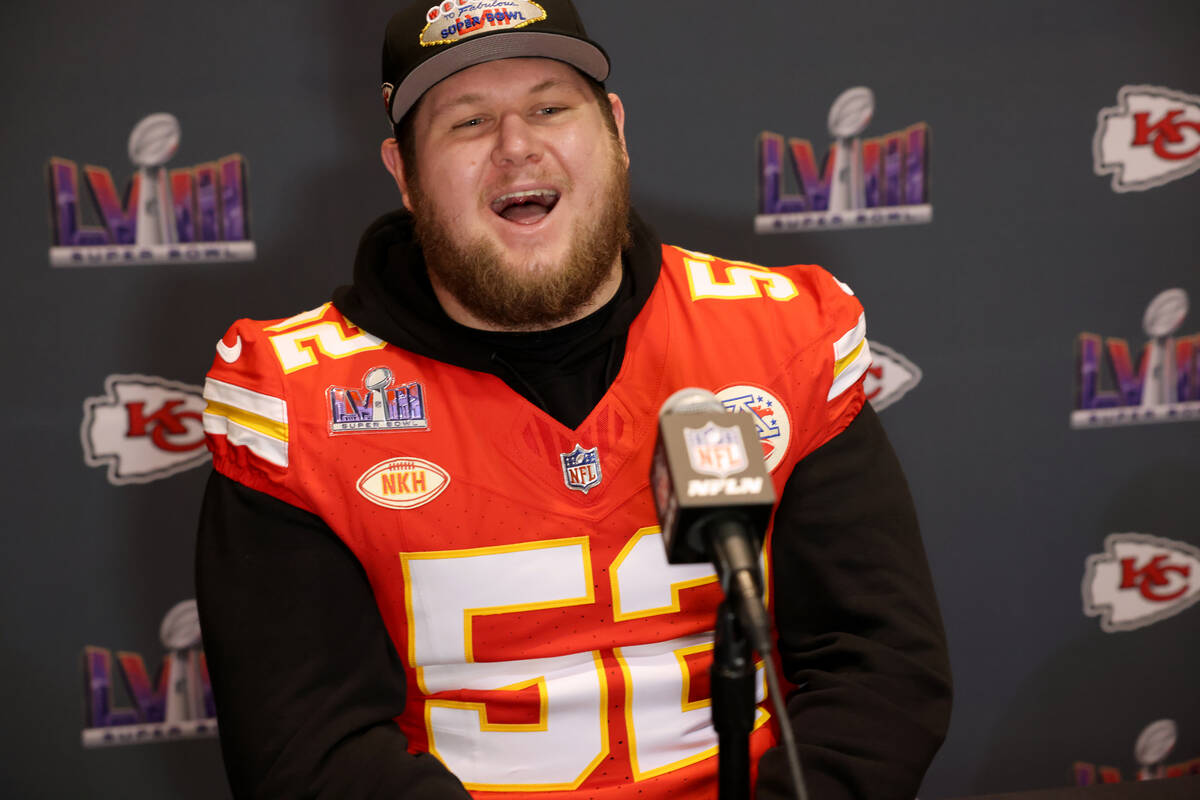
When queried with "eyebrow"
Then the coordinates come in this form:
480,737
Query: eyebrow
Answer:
469,98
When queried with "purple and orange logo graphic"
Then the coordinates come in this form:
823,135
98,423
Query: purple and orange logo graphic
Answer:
1152,748
863,182
191,214
177,705
1165,386
378,405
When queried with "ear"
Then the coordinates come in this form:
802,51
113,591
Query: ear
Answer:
393,162
618,109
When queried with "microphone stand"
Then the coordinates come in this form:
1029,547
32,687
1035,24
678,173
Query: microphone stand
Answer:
733,706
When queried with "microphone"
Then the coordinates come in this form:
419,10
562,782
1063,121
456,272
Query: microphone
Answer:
714,498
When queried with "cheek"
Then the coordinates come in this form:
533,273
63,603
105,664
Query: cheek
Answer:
455,189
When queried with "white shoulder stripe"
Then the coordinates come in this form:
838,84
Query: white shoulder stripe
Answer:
852,371
853,338
851,358
265,447
261,405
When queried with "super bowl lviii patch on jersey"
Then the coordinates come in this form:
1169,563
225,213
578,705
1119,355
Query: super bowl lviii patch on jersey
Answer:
378,405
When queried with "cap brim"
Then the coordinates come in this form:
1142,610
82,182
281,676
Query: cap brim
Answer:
581,54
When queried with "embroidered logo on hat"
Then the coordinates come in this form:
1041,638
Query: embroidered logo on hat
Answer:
454,20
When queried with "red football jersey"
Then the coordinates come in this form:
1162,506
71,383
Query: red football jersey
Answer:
517,563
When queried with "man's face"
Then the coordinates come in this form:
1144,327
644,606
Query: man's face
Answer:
519,191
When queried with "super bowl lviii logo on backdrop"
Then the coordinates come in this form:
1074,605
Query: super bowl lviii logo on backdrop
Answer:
1164,386
189,214
1153,747
1151,137
144,428
862,183
1139,580
178,704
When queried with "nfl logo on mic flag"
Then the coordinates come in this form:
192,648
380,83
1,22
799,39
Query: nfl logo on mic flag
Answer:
716,450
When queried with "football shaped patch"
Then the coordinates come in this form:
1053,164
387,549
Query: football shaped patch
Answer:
403,483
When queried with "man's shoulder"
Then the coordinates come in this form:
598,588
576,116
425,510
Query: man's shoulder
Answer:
266,351
806,296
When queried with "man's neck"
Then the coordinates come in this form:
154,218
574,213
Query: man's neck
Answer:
457,312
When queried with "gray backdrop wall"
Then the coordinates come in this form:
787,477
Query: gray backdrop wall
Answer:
1029,247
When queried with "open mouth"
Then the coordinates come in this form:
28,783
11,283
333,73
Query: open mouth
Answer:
526,208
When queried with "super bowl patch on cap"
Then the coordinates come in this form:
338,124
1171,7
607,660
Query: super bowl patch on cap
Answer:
454,20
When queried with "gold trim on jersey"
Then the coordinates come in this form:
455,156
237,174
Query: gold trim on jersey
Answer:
851,358
294,348
267,427
301,318
676,588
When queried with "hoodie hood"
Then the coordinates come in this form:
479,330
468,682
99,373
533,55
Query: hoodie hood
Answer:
392,298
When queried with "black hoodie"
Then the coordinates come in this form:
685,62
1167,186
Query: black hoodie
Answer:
307,680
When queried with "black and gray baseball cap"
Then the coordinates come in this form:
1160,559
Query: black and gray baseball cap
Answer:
424,45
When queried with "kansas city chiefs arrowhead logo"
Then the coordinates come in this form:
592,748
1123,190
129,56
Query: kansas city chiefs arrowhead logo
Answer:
1150,138
144,428
890,376
1139,580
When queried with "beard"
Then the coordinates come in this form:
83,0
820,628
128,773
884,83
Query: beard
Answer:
527,294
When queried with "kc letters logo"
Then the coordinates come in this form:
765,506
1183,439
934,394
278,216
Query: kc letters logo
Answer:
1164,387
178,704
890,376
190,214
1150,138
378,406
1139,580
862,182
144,428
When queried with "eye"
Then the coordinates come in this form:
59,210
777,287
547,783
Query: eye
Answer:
474,122
548,111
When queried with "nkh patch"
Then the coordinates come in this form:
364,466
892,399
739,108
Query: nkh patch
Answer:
716,450
771,419
378,405
403,483
581,468
454,20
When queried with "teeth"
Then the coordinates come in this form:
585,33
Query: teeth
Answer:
531,193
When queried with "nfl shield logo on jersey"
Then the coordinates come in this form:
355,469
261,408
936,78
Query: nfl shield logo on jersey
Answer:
581,468
716,450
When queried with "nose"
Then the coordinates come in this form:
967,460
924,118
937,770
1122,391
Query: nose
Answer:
517,143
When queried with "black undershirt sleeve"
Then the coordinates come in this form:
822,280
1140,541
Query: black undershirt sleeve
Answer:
305,676
859,629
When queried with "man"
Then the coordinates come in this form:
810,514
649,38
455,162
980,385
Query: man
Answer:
428,563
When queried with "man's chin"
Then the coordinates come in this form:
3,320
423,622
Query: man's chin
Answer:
546,239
